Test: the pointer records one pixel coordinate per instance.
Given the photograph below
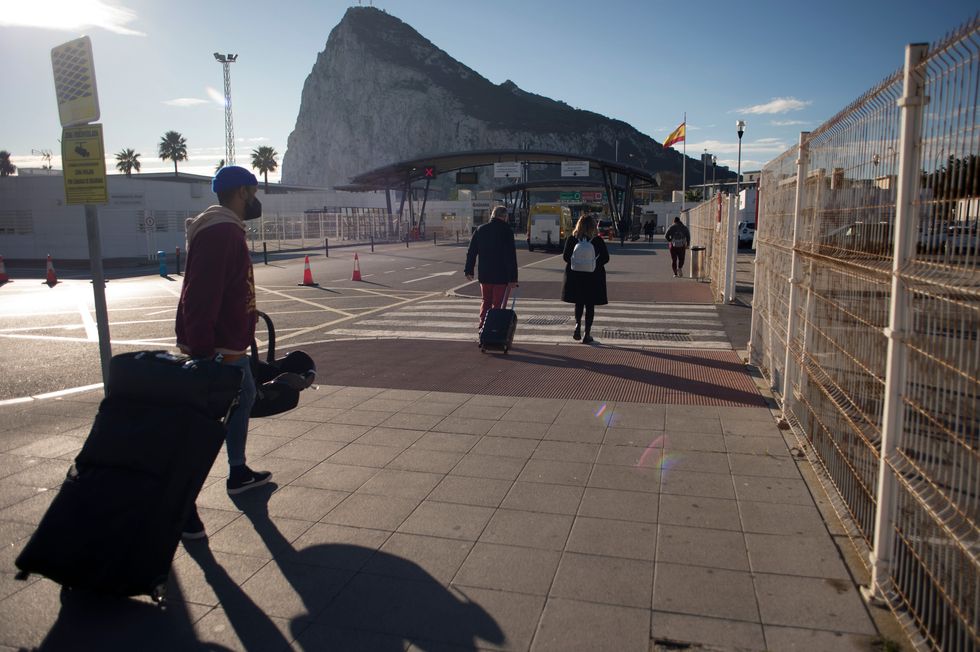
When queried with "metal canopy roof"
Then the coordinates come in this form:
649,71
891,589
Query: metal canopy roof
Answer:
554,184
396,175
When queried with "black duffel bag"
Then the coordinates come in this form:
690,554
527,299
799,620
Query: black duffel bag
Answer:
279,382
170,380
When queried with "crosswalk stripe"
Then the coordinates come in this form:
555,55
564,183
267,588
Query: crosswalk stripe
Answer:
546,321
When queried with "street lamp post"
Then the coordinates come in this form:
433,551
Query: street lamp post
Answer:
733,218
704,174
226,61
714,164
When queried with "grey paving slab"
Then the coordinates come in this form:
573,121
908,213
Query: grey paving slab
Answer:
343,432
798,639
566,451
705,591
489,466
625,478
637,506
793,491
768,446
812,556
304,503
385,404
589,432
486,492
642,437
299,449
365,455
770,466
692,441
639,456
341,477
412,395
749,428
12,493
702,547
259,444
505,446
49,447
413,459
315,414
626,415
427,556
386,436
780,518
519,429
553,472
294,591
696,483
279,427
832,605
539,497
574,625
511,618
673,630
411,420
446,441
338,400
360,417
699,511
576,411
192,573
335,546
430,408
449,520
31,509
610,580
508,568
477,411
489,399
327,637
466,426
529,529
678,423
459,398
401,483
371,511
240,537
599,536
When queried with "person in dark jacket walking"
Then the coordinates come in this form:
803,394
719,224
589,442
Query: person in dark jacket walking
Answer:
680,239
216,313
493,244
585,289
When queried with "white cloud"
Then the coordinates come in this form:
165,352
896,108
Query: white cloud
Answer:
787,123
185,101
257,139
772,146
776,105
69,16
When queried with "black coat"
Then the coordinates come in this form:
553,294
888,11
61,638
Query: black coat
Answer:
585,287
493,244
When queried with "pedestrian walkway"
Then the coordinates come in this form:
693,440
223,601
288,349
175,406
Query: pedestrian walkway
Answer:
675,325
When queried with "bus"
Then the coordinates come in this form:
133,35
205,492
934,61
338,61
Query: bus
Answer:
548,225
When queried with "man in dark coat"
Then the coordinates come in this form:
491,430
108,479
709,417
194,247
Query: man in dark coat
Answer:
680,239
493,244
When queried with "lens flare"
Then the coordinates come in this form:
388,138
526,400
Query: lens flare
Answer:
656,456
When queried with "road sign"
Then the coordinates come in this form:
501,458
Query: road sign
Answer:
570,197
83,158
429,172
74,82
574,168
507,170
594,196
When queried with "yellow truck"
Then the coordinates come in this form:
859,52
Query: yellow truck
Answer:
548,225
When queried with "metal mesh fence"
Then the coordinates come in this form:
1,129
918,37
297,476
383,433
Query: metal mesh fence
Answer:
866,320
708,223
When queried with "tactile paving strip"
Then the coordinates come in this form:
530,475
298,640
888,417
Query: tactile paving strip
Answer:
680,376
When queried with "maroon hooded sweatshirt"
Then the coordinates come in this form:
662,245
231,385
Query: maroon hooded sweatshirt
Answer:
216,312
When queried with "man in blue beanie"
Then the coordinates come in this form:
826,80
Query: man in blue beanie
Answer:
216,313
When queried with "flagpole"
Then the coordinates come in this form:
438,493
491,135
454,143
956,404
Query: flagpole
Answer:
684,167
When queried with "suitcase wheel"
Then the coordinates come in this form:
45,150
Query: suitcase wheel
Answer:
159,593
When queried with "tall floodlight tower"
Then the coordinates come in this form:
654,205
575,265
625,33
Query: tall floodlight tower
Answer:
226,60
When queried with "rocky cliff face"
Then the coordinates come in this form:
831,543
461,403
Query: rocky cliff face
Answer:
380,93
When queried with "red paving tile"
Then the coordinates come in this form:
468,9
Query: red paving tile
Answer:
679,376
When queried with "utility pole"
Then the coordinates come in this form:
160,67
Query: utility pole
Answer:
226,60
45,155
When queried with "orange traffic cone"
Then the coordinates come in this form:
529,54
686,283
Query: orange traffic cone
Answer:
52,279
3,273
356,276
308,275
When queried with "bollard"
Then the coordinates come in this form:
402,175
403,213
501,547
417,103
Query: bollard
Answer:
372,243
177,258
406,239
433,239
326,247
265,253
162,257
457,237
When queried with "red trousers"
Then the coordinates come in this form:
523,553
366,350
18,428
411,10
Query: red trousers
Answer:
494,295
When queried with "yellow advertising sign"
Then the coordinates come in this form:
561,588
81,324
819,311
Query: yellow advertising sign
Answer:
83,158
74,82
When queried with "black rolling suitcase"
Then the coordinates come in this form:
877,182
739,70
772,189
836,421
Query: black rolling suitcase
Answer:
499,327
116,521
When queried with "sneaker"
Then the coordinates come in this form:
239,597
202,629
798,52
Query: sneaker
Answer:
243,478
193,527
577,335
587,339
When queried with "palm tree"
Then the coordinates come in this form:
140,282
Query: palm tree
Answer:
264,160
6,167
128,160
173,146
220,165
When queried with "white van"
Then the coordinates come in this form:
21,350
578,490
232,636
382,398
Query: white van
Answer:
548,225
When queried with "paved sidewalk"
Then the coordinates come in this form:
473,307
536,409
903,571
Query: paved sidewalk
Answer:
430,520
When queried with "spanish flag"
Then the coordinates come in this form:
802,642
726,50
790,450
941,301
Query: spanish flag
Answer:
677,135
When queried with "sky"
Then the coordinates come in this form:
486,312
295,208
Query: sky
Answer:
782,67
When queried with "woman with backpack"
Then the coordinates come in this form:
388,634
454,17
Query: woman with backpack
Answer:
584,284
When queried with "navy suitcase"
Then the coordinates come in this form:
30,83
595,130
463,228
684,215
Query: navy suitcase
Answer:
116,521
499,327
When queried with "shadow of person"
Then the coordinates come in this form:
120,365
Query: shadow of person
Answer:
94,621
384,602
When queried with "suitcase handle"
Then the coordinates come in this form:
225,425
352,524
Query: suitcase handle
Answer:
513,298
270,355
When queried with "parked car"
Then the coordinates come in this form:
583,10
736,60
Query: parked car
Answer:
866,237
932,239
962,239
606,230
746,234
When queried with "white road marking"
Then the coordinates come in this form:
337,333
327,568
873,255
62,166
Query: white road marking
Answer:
60,392
518,339
422,278
310,303
91,329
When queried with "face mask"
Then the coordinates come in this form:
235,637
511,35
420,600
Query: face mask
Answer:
253,209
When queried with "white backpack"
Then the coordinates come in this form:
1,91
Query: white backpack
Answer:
583,257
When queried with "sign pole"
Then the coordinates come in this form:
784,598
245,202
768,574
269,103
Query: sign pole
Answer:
98,289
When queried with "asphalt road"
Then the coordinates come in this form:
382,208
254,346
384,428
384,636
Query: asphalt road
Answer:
49,341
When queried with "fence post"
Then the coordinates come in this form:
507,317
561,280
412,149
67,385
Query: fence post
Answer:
900,316
792,322
326,247
730,251
372,243
265,253
177,257
433,238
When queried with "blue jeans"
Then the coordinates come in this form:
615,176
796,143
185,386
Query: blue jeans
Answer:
237,429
